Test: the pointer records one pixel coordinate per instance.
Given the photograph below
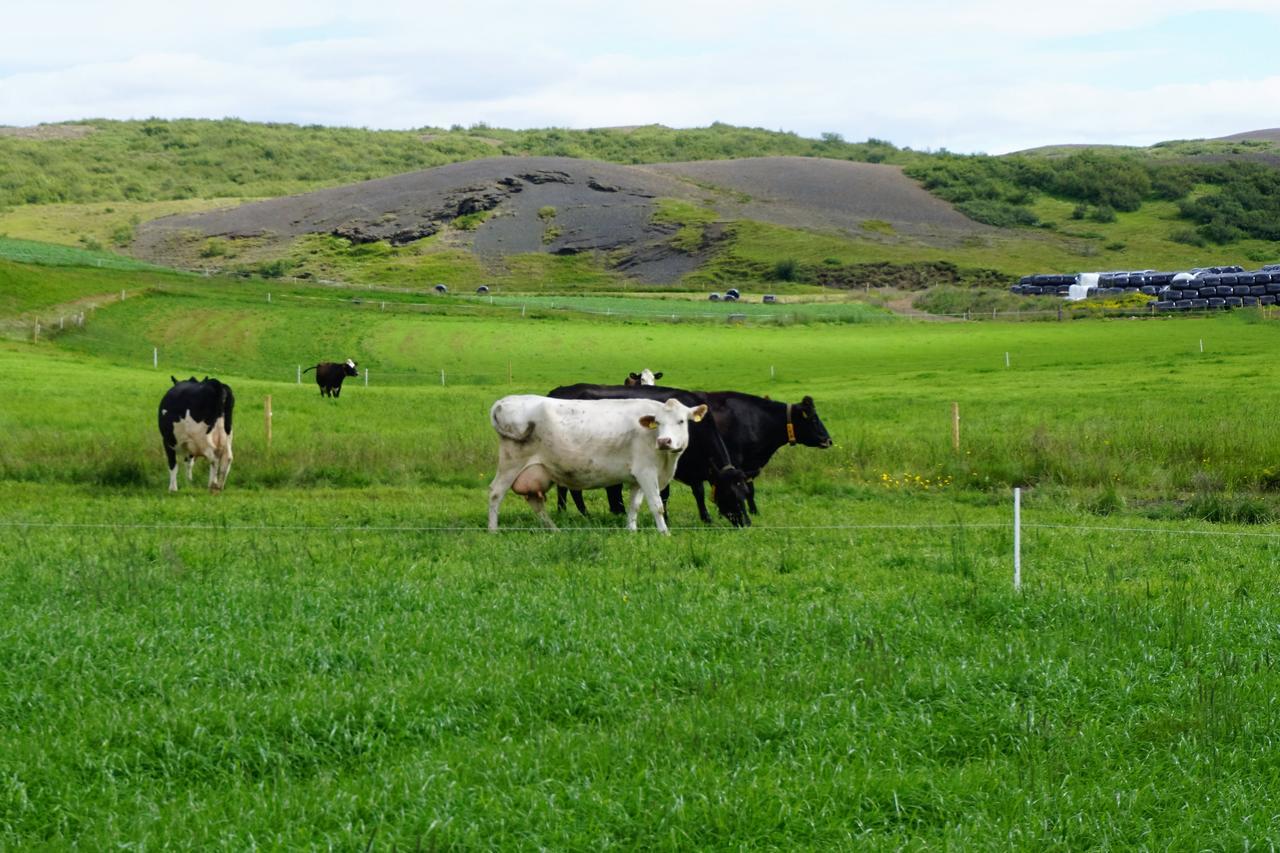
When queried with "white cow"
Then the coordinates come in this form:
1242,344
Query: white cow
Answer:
587,444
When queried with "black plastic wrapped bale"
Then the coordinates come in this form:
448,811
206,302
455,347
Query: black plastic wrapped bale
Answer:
1172,295
1026,279
714,297
1199,303
1227,278
1244,278
1164,305
1235,302
1182,304
1160,279
732,292
1240,290
1267,300
1273,287
1032,290
1258,290
1249,301
1148,289
1217,302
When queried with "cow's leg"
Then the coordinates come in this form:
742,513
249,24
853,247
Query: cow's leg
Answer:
700,498
191,468
562,498
538,503
751,496
615,500
647,486
173,467
224,468
497,491
578,501
337,390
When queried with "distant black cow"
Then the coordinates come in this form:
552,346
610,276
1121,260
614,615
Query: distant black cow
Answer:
755,427
706,459
329,376
195,420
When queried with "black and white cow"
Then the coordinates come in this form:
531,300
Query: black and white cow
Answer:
644,377
195,420
329,376
586,444
706,461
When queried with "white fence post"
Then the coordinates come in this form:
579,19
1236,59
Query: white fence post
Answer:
268,296
1006,359
155,356
1017,539
366,377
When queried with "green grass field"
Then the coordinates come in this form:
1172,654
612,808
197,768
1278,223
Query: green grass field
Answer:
332,653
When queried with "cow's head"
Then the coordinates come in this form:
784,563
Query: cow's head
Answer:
729,491
671,422
809,428
644,377
349,368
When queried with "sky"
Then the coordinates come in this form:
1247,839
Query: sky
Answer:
992,76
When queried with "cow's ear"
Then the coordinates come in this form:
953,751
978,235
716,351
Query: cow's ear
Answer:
658,375
649,422
807,401
699,413
634,375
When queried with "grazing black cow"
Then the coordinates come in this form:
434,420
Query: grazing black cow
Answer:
705,460
329,376
644,377
195,419
755,427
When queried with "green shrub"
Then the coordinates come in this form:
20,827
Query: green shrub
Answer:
1103,213
785,270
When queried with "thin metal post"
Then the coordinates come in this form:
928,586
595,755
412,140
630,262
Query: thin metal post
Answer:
366,377
155,356
955,427
266,413
442,376
1017,539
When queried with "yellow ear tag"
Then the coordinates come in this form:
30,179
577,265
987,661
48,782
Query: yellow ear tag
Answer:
697,419
652,424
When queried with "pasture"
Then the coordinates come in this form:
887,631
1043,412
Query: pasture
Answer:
332,653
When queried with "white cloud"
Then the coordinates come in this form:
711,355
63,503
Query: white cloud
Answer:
990,75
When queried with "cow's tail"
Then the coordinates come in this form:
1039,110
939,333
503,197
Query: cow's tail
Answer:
311,368
223,394
510,422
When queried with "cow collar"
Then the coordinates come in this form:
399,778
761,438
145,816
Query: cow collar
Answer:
791,428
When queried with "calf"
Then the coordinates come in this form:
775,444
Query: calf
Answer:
755,427
706,461
329,376
586,444
195,420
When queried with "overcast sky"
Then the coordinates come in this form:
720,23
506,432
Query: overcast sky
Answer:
991,76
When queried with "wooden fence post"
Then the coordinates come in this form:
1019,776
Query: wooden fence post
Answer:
955,427
266,413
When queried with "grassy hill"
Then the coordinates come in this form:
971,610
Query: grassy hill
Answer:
1170,206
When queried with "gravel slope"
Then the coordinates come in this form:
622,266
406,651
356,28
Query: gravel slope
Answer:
563,205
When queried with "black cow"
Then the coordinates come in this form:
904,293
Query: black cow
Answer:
706,459
195,419
755,427
329,375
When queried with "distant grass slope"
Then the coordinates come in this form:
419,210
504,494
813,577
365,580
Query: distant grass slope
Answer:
157,160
